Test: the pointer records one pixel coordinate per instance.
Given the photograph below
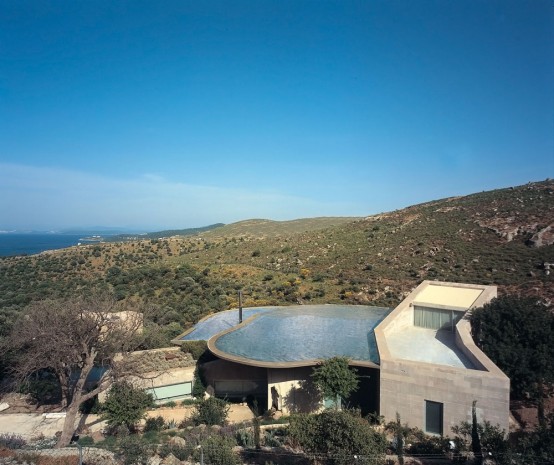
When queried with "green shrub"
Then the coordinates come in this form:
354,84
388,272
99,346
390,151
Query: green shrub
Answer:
211,411
195,348
218,450
125,405
245,438
340,435
185,402
85,441
180,452
154,424
134,451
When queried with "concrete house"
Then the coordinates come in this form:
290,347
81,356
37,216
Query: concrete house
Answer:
418,360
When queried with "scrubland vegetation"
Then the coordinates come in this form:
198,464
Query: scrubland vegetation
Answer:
485,238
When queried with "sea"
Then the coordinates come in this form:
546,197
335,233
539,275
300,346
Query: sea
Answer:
33,243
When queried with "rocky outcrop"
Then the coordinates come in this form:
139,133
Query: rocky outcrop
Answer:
543,237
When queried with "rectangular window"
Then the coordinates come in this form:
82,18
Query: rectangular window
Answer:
434,318
171,392
433,417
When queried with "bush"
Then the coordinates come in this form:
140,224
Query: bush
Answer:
12,441
126,405
194,348
85,441
211,411
245,438
134,451
340,435
423,444
186,402
181,453
218,450
154,424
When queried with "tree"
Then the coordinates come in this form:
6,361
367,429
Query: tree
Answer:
68,338
126,405
475,439
335,379
517,334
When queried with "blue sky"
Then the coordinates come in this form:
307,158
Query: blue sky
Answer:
173,114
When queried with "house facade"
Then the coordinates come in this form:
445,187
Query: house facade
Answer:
418,360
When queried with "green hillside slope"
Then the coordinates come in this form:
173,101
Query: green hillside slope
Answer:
502,237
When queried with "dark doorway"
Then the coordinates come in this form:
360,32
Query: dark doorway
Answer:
366,398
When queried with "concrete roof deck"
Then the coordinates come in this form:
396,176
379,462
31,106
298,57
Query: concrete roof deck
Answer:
428,346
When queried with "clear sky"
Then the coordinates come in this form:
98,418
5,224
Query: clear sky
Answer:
172,114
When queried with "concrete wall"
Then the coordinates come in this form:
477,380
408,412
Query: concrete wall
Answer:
291,389
405,385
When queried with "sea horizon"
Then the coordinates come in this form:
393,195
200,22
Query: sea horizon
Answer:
31,243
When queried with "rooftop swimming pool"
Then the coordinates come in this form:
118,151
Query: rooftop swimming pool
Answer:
296,334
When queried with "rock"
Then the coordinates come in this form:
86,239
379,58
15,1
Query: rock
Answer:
543,237
4,406
171,460
154,460
178,441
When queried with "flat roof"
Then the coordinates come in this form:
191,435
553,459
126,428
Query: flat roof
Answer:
428,346
448,296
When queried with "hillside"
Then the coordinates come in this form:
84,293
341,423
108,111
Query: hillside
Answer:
502,237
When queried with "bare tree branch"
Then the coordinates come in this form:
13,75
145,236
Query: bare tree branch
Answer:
69,338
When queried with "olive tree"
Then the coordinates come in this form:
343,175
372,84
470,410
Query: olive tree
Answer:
335,379
68,338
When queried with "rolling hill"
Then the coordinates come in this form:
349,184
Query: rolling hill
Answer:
502,237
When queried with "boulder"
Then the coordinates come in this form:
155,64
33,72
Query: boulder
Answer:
178,441
171,460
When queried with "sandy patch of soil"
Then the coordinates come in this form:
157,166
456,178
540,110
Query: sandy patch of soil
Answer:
237,413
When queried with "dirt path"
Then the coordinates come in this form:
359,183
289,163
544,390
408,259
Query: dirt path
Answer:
237,413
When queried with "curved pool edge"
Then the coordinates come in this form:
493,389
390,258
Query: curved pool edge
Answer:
211,344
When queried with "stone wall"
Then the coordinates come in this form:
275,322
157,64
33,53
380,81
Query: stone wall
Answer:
405,385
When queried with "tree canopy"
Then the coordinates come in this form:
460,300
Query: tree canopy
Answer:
335,379
517,334
68,338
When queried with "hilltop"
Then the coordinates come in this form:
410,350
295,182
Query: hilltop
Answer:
502,237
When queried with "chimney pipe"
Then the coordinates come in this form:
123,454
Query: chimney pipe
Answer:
240,307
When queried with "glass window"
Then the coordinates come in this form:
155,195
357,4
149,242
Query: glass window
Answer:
433,417
434,318
171,392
